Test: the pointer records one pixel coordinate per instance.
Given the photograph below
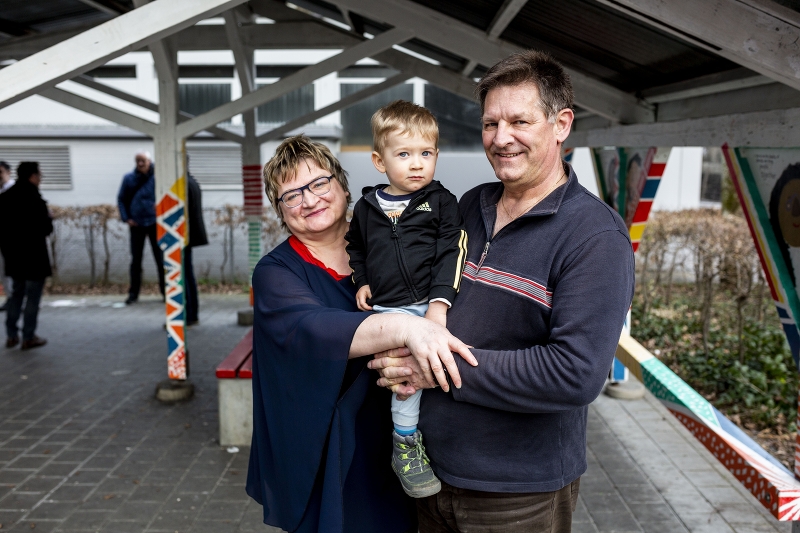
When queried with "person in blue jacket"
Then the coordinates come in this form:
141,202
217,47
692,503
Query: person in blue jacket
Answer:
137,208
321,449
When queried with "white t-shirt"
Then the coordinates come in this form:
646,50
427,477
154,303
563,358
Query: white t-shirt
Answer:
7,185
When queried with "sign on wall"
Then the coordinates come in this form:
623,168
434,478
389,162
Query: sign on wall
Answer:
767,181
628,179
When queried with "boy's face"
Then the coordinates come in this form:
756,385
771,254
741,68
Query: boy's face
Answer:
408,161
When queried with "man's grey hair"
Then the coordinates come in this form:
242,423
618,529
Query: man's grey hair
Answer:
144,153
531,66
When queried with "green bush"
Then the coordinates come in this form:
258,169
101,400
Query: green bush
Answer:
761,388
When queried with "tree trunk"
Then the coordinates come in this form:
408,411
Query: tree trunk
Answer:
107,251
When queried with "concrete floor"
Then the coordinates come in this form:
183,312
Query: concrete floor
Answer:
84,446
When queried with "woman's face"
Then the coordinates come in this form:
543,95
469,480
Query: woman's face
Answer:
316,214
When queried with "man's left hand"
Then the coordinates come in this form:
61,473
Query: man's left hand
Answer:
400,372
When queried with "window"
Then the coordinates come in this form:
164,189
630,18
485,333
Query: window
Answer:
53,162
459,119
113,71
287,107
197,98
356,129
713,172
215,166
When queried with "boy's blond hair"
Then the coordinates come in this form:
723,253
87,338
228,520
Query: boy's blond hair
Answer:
408,118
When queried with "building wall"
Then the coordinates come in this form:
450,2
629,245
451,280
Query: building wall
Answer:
101,153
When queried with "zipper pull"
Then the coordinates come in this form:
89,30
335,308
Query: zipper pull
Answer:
483,256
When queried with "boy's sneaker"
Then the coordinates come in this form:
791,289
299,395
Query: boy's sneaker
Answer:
412,466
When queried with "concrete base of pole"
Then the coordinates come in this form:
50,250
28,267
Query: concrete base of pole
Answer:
626,390
244,317
173,390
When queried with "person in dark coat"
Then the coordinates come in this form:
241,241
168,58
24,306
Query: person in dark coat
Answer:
24,248
5,183
197,237
320,460
137,208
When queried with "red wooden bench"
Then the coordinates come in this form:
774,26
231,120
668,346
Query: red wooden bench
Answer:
239,363
234,383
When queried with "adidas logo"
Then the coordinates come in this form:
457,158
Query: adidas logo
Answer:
424,207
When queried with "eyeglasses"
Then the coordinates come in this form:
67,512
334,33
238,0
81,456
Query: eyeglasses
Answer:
318,187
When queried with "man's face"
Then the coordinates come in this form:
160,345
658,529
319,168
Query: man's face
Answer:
142,164
520,143
36,179
5,175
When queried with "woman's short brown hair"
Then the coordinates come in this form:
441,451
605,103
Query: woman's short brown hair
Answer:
531,66
289,155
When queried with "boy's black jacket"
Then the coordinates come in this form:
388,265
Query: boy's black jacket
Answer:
421,256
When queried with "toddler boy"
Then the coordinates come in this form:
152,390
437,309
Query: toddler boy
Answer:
407,249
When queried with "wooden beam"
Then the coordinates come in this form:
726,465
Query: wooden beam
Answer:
347,101
102,43
150,106
503,18
295,81
467,41
778,129
99,110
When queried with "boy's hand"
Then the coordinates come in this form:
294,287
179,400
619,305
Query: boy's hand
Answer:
361,298
437,311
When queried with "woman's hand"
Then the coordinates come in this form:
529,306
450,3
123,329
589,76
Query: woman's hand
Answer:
433,346
399,372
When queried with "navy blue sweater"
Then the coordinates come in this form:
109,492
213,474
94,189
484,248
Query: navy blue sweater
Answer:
544,311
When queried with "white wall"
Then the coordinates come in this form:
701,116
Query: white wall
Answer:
680,185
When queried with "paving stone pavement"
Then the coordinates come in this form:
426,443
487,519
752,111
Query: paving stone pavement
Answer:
84,446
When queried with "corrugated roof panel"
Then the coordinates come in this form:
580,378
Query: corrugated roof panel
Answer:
478,13
609,45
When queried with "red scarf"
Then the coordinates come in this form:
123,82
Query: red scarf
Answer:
304,253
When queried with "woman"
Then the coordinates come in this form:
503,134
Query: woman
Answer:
320,459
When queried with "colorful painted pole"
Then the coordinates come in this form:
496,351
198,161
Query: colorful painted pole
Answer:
628,179
172,237
253,210
767,181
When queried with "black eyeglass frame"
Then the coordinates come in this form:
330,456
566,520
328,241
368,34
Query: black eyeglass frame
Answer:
306,187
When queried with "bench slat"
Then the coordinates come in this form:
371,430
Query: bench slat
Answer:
246,370
230,365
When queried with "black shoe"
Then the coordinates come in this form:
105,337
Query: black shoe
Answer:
131,300
11,342
4,307
190,323
35,342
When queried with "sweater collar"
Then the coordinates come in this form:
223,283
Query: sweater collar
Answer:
547,206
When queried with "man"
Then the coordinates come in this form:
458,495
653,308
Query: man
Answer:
548,280
5,183
197,237
26,224
137,208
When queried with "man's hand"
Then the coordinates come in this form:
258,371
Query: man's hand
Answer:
399,372
437,311
433,346
361,298
131,222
